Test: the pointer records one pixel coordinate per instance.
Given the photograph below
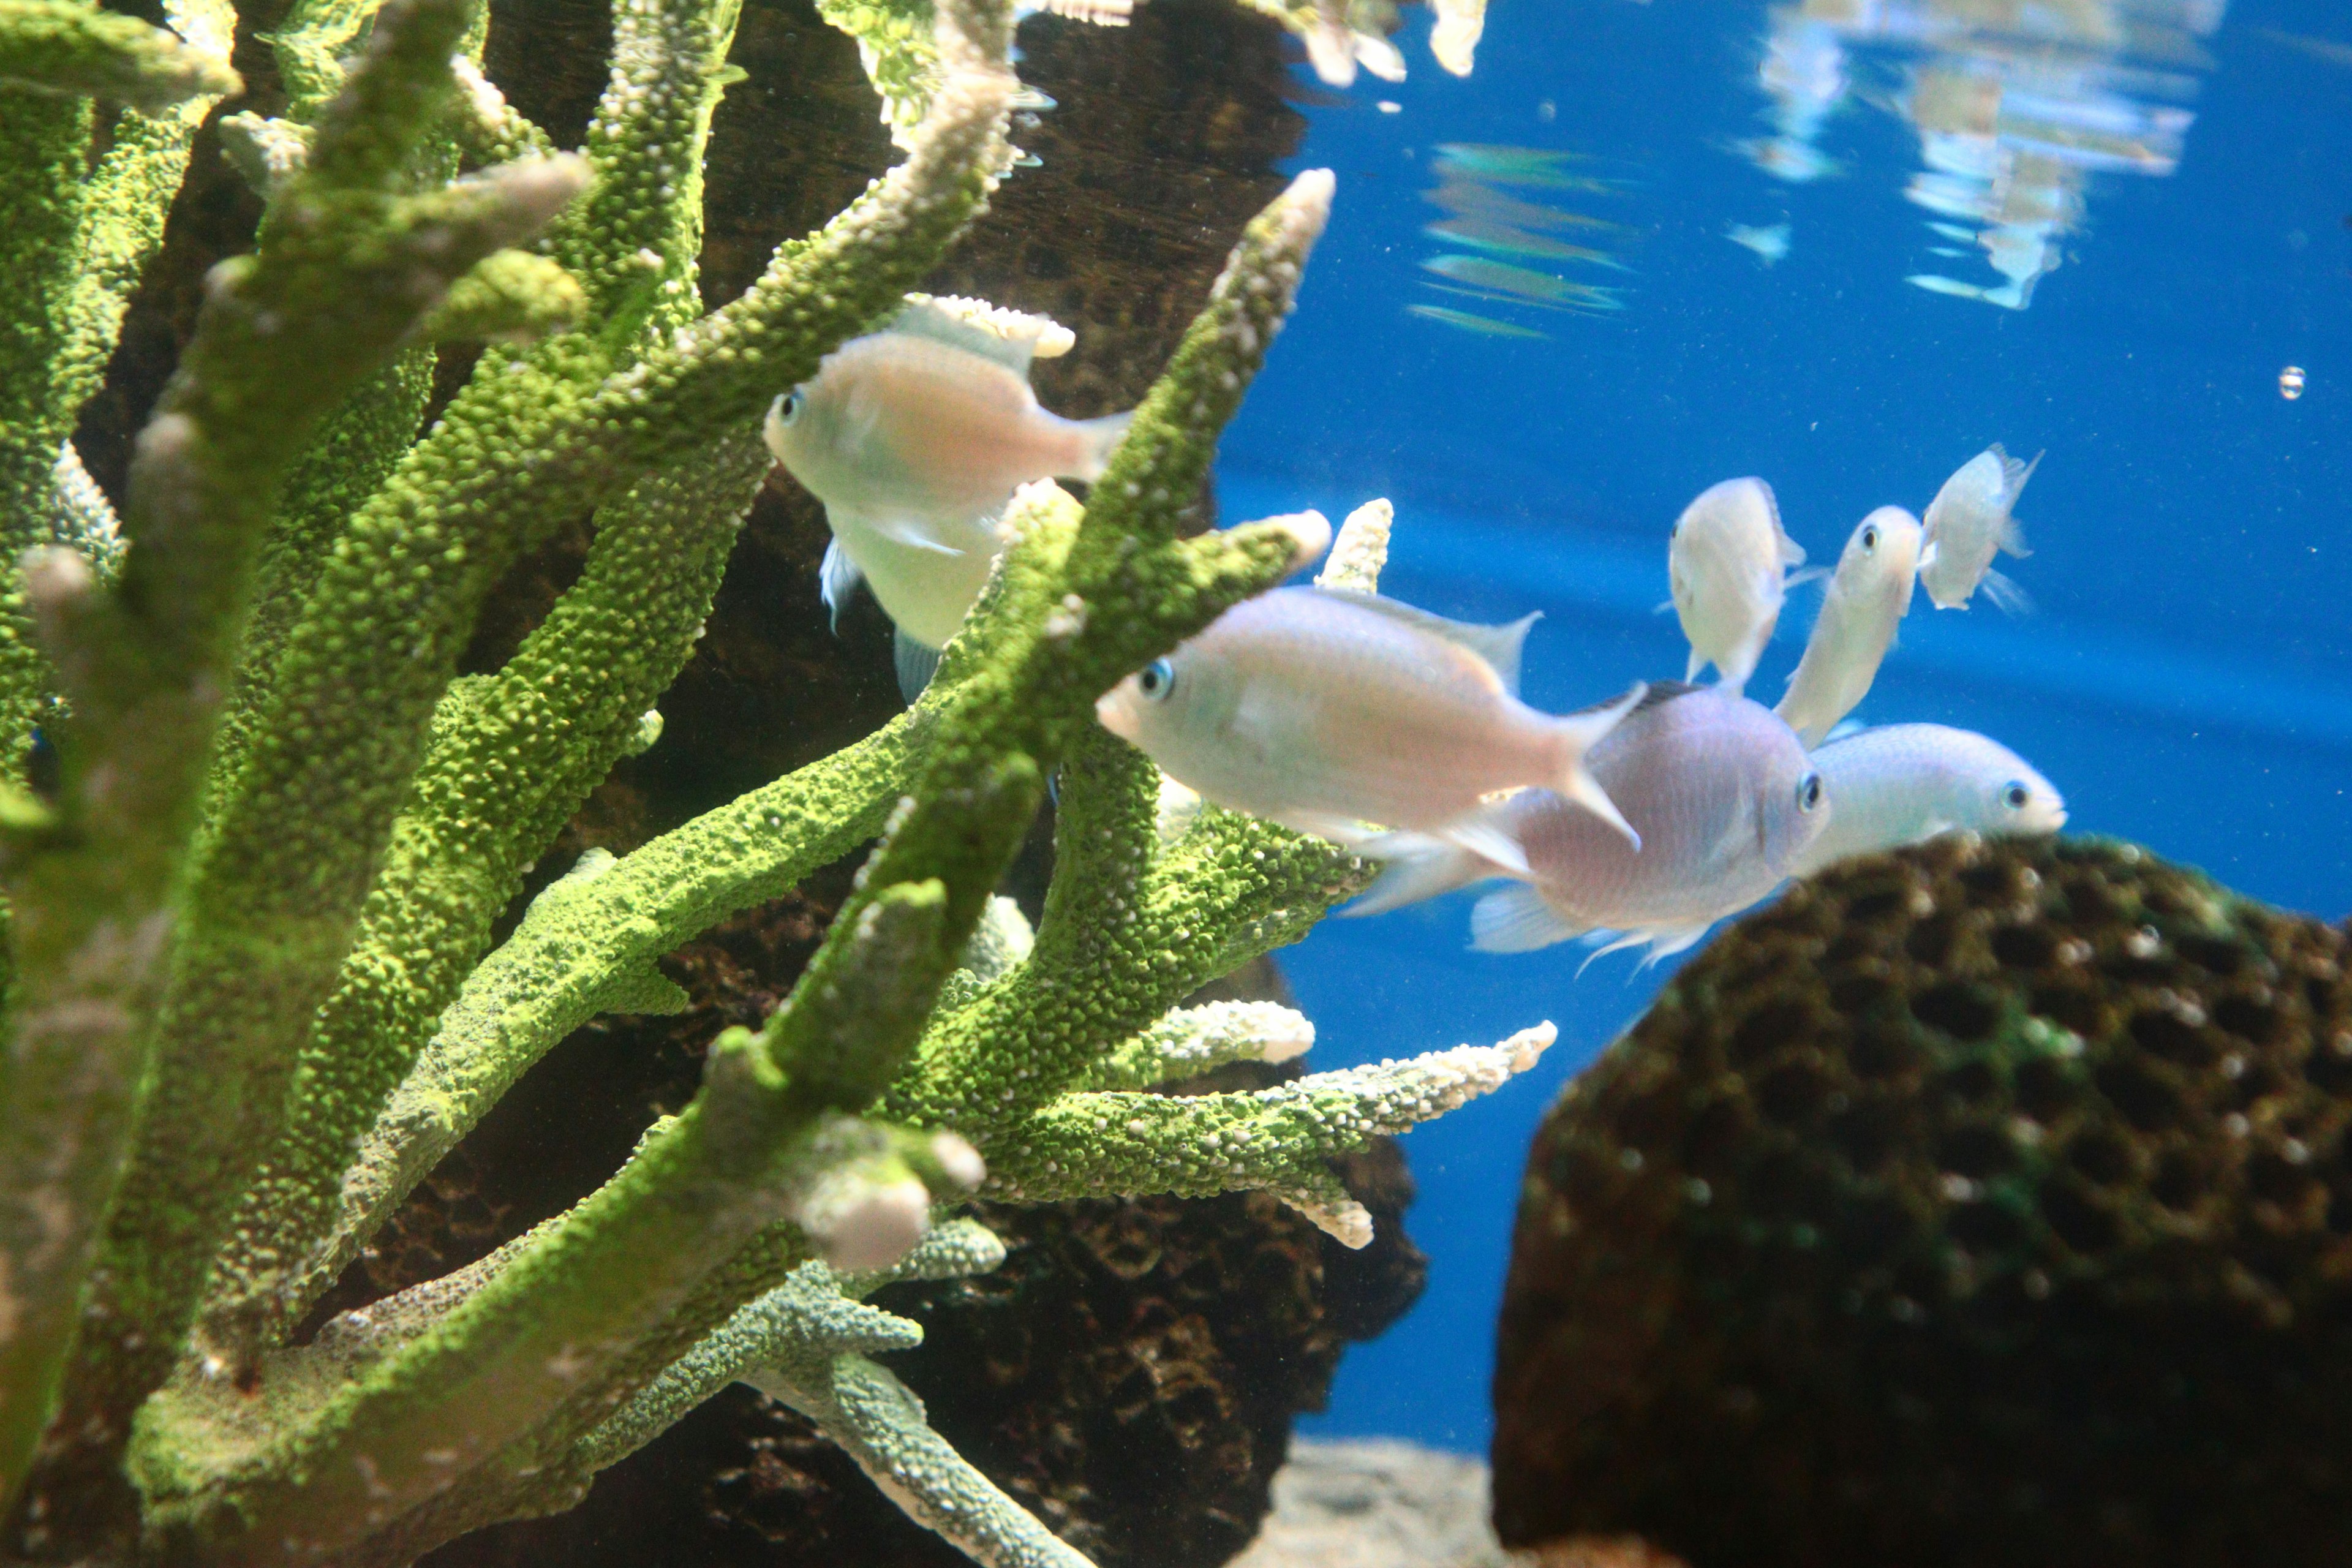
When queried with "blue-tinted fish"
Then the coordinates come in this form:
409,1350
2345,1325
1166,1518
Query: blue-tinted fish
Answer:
1967,522
1905,784
915,438
1325,709
1720,791
1867,595
1727,564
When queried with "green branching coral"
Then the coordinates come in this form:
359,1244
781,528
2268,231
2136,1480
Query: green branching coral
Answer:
254,992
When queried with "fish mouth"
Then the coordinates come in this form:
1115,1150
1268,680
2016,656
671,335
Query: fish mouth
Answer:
1115,715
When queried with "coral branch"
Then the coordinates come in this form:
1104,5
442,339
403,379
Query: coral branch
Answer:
68,46
347,265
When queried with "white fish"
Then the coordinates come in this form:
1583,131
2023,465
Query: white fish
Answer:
1727,567
915,438
1967,521
1719,789
1905,784
1868,593
1768,244
1323,709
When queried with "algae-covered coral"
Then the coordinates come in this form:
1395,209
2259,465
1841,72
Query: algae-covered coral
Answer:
1986,1203
255,991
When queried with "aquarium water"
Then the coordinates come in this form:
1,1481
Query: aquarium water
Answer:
1796,249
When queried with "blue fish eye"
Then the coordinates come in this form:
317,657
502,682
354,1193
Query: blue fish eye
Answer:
1157,679
2014,795
1808,792
788,406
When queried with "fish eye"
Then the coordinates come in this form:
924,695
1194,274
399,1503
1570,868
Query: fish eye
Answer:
1156,679
1870,537
1809,792
2014,795
788,406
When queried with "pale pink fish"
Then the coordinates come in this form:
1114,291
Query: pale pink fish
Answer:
1867,595
1967,522
1727,565
915,438
1325,711
1720,791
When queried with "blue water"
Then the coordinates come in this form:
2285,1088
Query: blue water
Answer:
2186,674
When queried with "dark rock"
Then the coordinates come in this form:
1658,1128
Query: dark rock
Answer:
1984,1203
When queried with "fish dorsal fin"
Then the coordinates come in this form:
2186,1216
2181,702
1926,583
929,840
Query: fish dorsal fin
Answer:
1791,553
1011,338
1498,646
1656,693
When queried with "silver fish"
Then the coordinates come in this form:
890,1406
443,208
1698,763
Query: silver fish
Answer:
1905,784
915,438
1968,520
1727,564
1868,593
1720,791
1324,709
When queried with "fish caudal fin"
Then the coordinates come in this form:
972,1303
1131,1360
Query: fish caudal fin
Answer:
836,579
1579,733
1417,866
1517,920
1098,440
914,664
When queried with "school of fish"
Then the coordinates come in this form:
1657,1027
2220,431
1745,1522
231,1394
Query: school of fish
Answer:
1637,822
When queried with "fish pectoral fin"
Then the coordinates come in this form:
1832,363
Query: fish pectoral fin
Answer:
1799,579
1011,338
912,533
836,579
914,664
1418,866
2012,539
1485,839
2006,594
1517,920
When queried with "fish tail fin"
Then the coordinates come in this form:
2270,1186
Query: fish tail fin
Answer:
2006,594
1418,866
1517,920
915,663
1098,440
1579,733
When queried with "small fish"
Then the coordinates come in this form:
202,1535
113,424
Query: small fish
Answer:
1484,326
915,438
1722,794
1935,283
1522,282
1506,239
2318,48
1787,158
1768,244
1868,593
1727,565
1533,168
1905,784
1968,520
2290,382
1954,231
1323,709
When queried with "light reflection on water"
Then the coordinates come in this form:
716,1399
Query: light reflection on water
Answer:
2016,107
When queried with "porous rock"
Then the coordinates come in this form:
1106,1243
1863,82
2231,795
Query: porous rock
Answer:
1987,1203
